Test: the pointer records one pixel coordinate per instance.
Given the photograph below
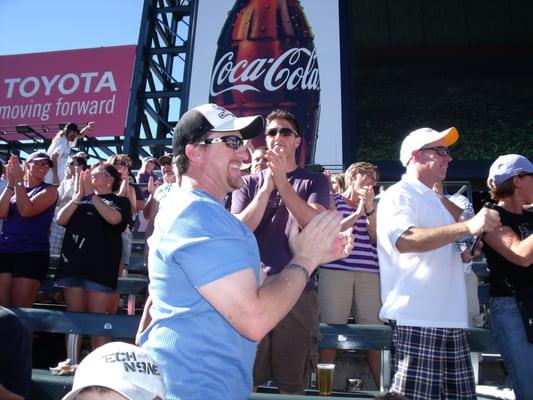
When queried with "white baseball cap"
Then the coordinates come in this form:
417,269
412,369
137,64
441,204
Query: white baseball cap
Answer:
122,367
419,138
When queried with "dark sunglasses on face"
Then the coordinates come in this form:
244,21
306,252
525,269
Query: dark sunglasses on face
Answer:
232,141
281,131
442,151
120,163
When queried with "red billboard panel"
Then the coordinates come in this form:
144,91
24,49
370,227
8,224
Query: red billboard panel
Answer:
43,90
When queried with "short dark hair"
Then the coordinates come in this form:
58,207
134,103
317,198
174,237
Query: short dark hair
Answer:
71,126
111,170
81,161
287,116
181,160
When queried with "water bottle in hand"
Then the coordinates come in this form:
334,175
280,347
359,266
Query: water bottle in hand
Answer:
466,241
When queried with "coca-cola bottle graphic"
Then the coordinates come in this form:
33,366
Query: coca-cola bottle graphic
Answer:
266,59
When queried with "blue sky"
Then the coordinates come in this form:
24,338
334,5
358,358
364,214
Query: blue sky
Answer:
30,26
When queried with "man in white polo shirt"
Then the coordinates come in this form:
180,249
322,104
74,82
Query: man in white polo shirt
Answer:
422,280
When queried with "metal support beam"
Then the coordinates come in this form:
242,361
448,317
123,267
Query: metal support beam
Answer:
165,45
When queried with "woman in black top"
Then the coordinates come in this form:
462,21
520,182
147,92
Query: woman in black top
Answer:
90,255
509,253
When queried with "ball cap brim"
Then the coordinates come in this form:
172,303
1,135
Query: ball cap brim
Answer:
40,155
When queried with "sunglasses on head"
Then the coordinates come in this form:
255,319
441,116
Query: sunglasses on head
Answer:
100,171
232,141
442,151
281,131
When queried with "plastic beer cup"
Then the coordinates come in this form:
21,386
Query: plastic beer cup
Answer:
325,378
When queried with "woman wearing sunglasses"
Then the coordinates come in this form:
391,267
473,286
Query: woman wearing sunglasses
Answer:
94,219
27,203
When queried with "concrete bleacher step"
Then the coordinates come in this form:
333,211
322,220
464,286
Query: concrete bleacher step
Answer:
45,386
361,394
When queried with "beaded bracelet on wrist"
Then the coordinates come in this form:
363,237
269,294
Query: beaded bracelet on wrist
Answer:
299,268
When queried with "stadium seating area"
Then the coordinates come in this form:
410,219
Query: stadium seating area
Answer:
45,317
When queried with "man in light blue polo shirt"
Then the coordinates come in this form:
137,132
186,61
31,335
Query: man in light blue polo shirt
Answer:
209,302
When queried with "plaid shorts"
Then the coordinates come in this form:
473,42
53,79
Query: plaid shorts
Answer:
431,363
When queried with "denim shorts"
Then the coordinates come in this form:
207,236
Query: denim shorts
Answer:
74,282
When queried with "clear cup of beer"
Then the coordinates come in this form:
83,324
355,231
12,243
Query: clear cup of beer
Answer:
324,374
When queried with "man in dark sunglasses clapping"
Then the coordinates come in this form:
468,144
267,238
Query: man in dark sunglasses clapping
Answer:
270,202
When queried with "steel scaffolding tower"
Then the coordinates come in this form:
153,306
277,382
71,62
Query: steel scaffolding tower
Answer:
160,88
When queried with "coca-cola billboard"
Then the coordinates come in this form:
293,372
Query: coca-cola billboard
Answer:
266,55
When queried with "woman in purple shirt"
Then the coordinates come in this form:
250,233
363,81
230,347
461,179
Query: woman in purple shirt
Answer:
146,172
27,204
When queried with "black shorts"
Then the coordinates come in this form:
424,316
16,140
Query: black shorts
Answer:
25,265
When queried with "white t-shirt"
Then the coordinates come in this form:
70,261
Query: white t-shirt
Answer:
64,147
424,289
